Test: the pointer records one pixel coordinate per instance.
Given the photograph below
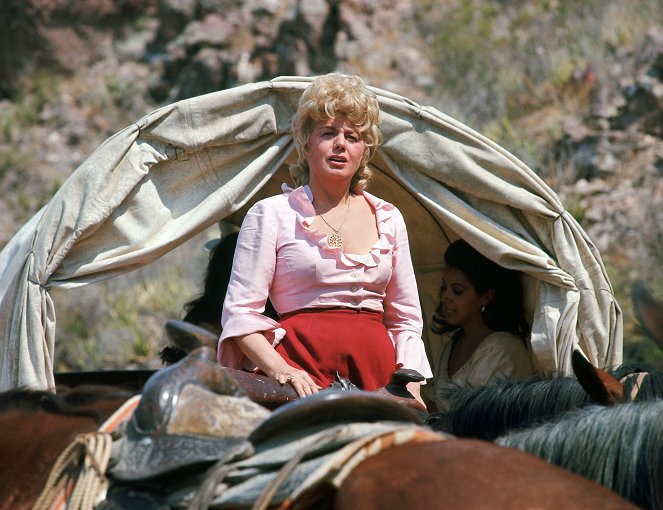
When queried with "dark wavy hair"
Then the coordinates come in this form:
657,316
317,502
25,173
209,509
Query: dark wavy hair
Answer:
506,311
207,307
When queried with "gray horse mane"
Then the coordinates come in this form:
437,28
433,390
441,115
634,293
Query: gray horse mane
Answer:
618,447
486,412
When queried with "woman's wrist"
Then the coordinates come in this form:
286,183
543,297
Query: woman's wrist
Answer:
259,350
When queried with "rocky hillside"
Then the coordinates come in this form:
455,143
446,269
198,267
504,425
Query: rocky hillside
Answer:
573,89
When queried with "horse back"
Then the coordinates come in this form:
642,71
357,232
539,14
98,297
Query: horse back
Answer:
30,443
36,426
468,473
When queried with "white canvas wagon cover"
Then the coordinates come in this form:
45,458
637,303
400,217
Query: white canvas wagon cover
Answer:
186,166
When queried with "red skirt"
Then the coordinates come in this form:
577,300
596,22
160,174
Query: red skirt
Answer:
353,343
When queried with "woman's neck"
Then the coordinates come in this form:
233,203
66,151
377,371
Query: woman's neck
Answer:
473,334
327,198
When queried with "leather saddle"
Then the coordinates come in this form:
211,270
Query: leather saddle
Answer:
194,415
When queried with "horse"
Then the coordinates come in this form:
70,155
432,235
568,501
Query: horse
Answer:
385,468
615,442
457,474
462,472
467,473
487,412
36,426
617,446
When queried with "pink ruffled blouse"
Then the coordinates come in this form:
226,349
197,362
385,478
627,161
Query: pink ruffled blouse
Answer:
280,255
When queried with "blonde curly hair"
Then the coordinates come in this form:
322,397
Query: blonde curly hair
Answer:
328,96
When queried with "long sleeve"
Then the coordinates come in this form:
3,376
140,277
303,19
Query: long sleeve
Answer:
402,311
252,274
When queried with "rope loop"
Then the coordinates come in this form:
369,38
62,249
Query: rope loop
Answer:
78,480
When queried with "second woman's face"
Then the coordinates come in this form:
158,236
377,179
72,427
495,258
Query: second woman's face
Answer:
461,304
335,149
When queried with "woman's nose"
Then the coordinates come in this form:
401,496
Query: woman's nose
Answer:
339,141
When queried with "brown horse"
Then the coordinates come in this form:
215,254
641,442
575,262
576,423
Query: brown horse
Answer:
36,426
618,446
457,472
462,459
467,473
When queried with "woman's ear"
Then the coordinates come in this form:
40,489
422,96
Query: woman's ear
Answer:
487,297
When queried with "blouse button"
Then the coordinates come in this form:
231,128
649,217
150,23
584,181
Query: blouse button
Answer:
354,274
353,288
353,301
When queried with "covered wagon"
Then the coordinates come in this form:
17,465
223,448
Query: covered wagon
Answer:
184,167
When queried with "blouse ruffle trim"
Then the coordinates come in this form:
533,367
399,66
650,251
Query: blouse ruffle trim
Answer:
410,353
301,201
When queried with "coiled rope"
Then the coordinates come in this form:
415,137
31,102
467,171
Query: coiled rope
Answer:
78,479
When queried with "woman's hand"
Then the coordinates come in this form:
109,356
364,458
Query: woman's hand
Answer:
300,380
415,389
260,351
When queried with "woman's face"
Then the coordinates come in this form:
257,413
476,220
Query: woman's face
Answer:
334,150
461,303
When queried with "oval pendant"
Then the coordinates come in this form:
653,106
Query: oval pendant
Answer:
335,241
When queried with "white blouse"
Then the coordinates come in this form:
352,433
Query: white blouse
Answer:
500,354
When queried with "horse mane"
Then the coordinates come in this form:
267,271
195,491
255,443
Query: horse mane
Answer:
86,394
67,402
617,446
486,412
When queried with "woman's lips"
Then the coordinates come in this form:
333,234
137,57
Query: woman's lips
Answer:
336,161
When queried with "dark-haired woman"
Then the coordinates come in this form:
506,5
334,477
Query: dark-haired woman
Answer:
482,323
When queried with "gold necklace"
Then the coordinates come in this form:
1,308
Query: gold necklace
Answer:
335,240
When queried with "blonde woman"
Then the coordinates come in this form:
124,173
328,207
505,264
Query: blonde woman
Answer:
333,259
